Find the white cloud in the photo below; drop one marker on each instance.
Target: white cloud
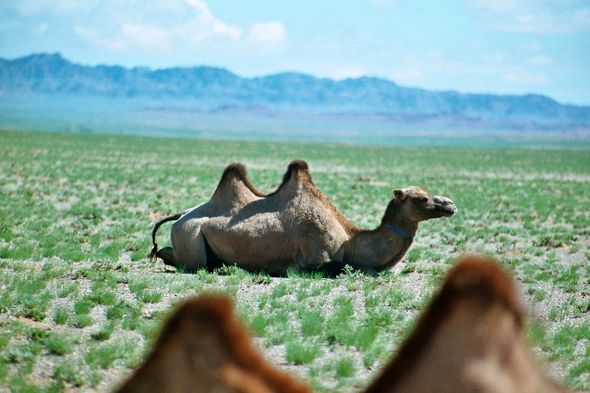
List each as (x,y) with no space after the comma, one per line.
(142,37)
(531,46)
(498,57)
(582,18)
(434,54)
(382,3)
(62,7)
(40,29)
(208,23)
(347,73)
(130,37)
(408,76)
(497,6)
(543,17)
(518,77)
(160,26)
(267,33)
(225,30)
(8,25)
(540,60)
(201,7)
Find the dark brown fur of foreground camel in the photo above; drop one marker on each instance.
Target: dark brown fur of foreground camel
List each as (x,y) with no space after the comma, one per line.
(204,348)
(470,339)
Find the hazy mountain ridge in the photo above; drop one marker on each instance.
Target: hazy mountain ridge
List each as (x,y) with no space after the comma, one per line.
(218,90)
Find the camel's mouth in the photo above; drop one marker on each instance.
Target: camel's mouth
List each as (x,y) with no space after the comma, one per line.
(448,210)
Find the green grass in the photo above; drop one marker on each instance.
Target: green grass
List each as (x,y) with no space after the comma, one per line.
(102,356)
(345,367)
(61,316)
(299,353)
(66,373)
(80,297)
(104,332)
(59,345)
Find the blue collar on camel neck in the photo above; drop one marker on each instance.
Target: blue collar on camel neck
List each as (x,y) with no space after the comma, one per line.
(398,230)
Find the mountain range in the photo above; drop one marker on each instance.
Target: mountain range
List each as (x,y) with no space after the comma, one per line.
(213,90)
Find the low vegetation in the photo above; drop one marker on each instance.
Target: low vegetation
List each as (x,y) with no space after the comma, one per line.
(80,304)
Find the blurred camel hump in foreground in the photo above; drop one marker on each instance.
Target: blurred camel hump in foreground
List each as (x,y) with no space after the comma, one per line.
(294,227)
(204,348)
(469,339)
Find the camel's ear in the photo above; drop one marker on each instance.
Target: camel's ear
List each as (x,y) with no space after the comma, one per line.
(400,194)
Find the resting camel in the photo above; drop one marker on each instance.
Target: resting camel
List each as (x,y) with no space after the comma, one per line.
(469,339)
(295,227)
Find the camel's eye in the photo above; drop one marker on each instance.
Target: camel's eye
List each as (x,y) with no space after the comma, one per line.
(423,200)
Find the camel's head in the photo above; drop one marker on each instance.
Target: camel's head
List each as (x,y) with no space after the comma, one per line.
(420,206)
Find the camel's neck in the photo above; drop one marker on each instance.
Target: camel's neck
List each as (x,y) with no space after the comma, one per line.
(384,246)
(401,232)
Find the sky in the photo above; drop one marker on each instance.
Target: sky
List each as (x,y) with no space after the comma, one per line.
(470,46)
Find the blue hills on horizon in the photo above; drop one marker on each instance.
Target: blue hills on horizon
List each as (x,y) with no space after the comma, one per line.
(34,80)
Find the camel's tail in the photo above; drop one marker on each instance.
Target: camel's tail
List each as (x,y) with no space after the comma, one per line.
(173,217)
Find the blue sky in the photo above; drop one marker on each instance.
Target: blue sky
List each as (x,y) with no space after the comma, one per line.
(479,46)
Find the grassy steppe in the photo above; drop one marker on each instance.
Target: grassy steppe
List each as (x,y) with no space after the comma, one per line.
(80,303)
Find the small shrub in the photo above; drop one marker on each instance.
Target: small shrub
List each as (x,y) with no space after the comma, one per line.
(59,345)
(4,340)
(102,296)
(65,290)
(102,356)
(83,320)
(95,378)
(299,353)
(414,254)
(104,333)
(123,309)
(132,323)
(258,324)
(61,315)
(150,297)
(66,373)
(312,323)
(372,355)
(25,354)
(364,337)
(280,290)
(38,334)
(345,367)
(83,306)
(137,286)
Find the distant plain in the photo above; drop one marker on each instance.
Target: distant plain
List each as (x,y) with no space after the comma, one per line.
(80,303)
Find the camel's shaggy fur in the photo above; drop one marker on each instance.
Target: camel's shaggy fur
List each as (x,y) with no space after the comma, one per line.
(204,348)
(295,227)
(470,339)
